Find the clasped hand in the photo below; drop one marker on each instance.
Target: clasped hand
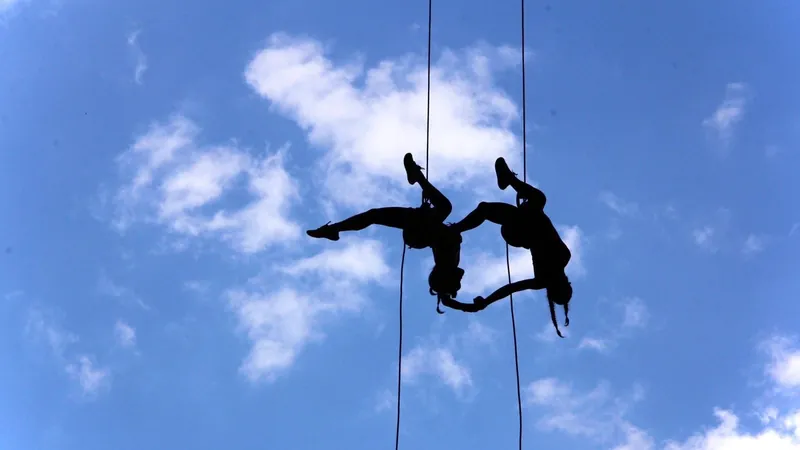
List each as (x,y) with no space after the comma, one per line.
(477,304)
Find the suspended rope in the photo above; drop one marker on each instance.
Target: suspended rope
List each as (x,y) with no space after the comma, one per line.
(403,259)
(428,107)
(508,259)
(400,354)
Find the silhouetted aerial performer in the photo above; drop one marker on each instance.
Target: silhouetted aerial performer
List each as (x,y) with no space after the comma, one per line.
(525,226)
(422,227)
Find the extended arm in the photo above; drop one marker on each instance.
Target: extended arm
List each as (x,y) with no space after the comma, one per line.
(505,291)
(457,305)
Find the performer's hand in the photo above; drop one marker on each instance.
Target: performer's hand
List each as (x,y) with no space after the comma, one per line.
(455,304)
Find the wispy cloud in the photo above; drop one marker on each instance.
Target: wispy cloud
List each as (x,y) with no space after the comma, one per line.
(364,126)
(600,345)
(729,113)
(754,244)
(634,316)
(125,334)
(438,362)
(618,205)
(108,287)
(704,237)
(280,322)
(596,414)
(573,238)
(783,368)
(139,56)
(7,5)
(91,379)
(42,325)
(362,259)
(173,181)
(605,418)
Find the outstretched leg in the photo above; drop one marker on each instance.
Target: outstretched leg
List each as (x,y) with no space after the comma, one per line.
(394,216)
(496,212)
(505,178)
(441,204)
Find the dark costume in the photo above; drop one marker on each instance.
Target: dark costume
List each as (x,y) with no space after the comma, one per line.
(525,226)
(422,227)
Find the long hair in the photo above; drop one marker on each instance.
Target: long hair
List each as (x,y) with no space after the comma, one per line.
(561,295)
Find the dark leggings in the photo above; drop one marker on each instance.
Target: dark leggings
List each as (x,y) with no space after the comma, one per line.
(503,214)
(495,212)
(400,217)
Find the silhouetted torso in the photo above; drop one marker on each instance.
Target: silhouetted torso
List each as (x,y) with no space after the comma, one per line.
(550,254)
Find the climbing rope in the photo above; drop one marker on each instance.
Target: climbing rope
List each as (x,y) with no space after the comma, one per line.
(400,354)
(403,259)
(508,259)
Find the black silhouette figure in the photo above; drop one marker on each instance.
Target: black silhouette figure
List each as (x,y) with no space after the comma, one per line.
(422,227)
(526,226)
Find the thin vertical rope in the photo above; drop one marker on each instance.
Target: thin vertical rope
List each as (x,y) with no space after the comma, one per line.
(516,353)
(428,106)
(400,354)
(524,103)
(403,260)
(508,259)
(428,111)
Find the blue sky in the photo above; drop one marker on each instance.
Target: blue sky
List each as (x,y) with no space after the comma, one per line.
(159,162)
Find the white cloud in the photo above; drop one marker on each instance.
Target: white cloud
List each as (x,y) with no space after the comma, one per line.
(595,414)
(713,234)
(42,325)
(280,322)
(362,260)
(199,182)
(596,344)
(573,237)
(753,244)
(385,401)
(484,273)
(729,113)
(634,439)
(781,434)
(108,287)
(175,182)
(784,365)
(196,286)
(439,362)
(548,334)
(635,315)
(90,378)
(605,418)
(618,205)
(478,333)
(6,5)
(366,119)
(279,325)
(704,237)
(138,54)
(125,334)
